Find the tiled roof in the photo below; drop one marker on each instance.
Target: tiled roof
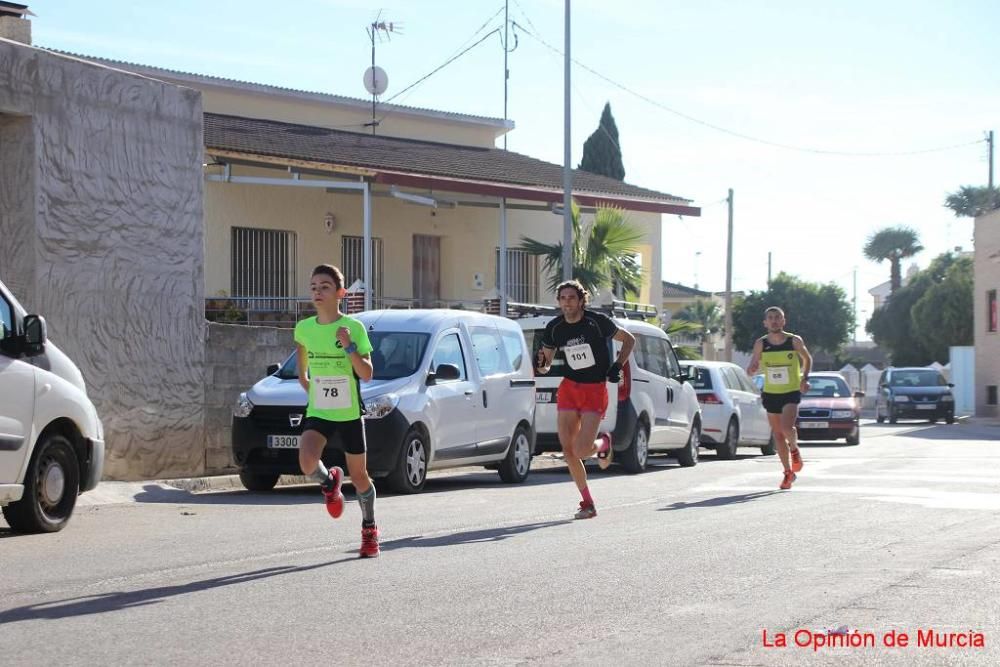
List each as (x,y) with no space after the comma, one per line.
(317,144)
(678,291)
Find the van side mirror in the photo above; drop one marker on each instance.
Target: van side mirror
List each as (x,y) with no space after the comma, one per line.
(444,372)
(859,394)
(273,368)
(951,384)
(35,335)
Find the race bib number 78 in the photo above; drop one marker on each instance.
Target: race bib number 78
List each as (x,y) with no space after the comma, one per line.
(332,393)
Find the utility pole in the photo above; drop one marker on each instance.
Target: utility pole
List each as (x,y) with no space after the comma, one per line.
(506,72)
(854,302)
(768,269)
(567,251)
(729,282)
(989,143)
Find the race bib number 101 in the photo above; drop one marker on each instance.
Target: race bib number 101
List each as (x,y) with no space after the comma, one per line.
(579,356)
(332,393)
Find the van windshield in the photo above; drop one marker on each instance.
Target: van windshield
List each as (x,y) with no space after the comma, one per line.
(395,354)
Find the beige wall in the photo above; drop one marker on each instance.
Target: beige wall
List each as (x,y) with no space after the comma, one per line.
(987,277)
(300,108)
(469,235)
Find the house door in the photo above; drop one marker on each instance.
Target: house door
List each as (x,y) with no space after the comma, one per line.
(426,270)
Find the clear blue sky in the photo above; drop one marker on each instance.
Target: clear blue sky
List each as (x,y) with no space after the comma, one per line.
(875,76)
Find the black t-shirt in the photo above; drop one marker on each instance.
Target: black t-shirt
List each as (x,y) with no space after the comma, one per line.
(585,345)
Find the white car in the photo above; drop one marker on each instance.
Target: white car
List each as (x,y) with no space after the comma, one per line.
(652,410)
(450,388)
(731,408)
(51,440)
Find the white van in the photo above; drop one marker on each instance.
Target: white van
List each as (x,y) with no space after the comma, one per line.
(451,388)
(653,409)
(51,440)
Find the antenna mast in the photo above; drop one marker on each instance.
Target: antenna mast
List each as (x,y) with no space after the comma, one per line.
(376,80)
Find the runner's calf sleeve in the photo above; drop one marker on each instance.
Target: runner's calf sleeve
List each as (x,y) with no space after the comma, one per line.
(367,502)
(320,474)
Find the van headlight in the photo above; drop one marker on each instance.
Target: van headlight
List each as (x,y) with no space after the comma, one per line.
(947,398)
(243,406)
(380,406)
(901,399)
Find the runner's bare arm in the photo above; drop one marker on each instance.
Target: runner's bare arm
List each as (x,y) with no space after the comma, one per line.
(362,363)
(807,361)
(543,360)
(303,364)
(754,365)
(628,342)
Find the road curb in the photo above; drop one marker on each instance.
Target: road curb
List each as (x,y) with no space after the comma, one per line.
(226,482)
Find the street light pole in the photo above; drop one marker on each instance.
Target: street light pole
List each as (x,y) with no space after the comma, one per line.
(567,251)
(729,282)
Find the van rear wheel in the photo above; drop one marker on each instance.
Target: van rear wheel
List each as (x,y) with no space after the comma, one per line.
(516,465)
(51,486)
(258,481)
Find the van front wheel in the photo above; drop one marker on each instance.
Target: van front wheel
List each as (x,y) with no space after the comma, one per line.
(516,465)
(51,486)
(410,472)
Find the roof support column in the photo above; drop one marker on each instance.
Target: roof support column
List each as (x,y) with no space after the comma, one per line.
(502,268)
(367,196)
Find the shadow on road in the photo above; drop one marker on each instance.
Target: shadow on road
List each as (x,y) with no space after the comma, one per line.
(720,501)
(469,537)
(117,601)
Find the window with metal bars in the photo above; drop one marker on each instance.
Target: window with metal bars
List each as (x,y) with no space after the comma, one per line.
(352,263)
(263,265)
(522,275)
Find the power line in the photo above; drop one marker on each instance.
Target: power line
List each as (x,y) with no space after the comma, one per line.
(741,135)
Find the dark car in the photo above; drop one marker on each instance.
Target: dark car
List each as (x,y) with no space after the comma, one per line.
(829,410)
(914,393)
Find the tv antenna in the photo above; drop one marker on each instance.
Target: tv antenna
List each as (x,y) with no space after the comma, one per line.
(375,79)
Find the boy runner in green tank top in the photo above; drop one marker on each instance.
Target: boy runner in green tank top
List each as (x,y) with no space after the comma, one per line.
(334,353)
(786,363)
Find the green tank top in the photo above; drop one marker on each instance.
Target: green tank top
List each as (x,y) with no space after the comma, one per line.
(781,365)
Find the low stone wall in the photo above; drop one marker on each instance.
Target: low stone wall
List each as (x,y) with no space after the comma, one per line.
(236,357)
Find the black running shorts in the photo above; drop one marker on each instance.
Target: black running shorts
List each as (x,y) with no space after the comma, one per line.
(352,433)
(775,403)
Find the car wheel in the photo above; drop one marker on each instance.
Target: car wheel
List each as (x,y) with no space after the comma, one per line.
(892,416)
(258,481)
(727,450)
(51,486)
(768,449)
(689,455)
(516,465)
(635,458)
(878,415)
(855,438)
(949,419)
(410,472)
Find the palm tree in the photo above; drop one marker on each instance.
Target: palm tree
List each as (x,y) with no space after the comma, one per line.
(894,244)
(706,314)
(972,202)
(604,255)
(678,327)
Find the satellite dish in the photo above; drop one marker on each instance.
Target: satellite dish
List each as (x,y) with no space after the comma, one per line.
(376,80)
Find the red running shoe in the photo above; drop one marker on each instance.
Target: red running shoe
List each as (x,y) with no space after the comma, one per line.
(586,511)
(331,490)
(796,460)
(786,483)
(369,543)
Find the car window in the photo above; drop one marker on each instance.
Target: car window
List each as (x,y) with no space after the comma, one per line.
(449,351)
(638,356)
(917,378)
(730,379)
(513,344)
(656,355)
(673,368)
(6,325)
(702,377)
(491,358)
(827,387)
(745,381)
(395,354)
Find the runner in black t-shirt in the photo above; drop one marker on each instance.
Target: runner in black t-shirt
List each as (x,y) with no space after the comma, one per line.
(585,340)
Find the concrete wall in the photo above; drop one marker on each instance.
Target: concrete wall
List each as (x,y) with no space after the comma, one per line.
(102,234)
(469,235)
(235,358)
(986,265)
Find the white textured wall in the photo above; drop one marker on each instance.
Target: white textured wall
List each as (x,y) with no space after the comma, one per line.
(986,265)
(105,239)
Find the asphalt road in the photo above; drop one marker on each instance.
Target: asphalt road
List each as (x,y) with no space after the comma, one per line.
(682,566)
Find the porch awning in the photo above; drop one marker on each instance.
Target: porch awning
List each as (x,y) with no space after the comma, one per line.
(424,164)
